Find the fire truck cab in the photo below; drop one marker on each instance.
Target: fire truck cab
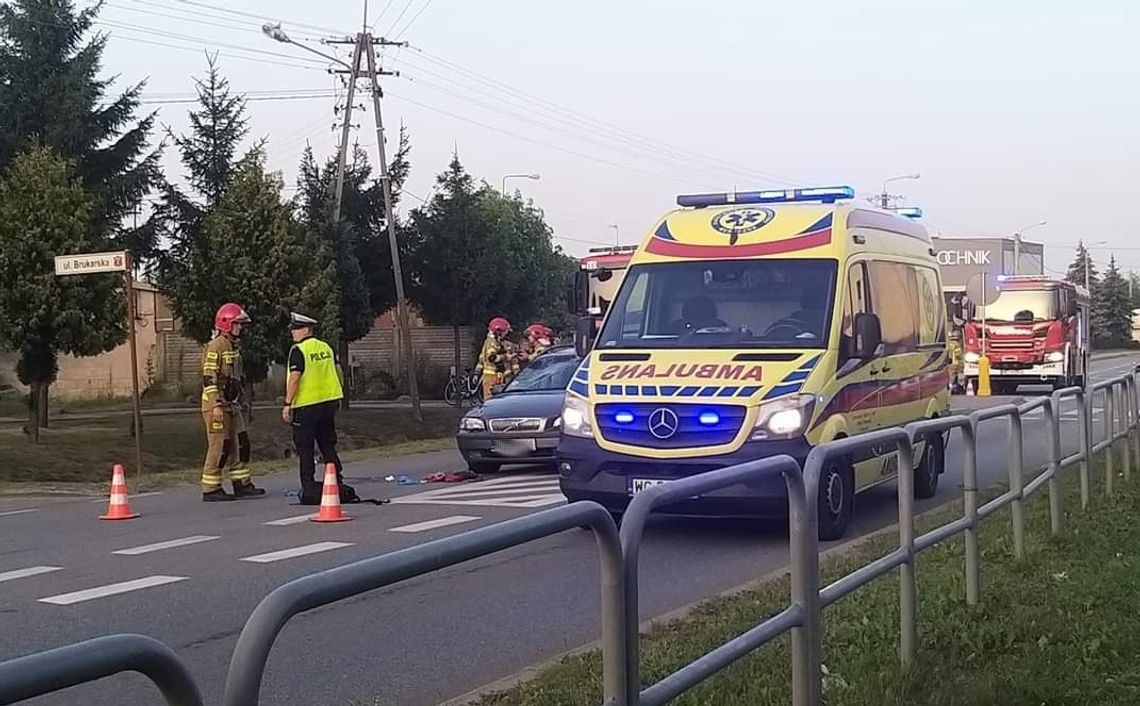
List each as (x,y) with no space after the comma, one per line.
(1035,332)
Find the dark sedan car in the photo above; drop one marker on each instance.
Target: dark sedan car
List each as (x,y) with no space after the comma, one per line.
(520,424)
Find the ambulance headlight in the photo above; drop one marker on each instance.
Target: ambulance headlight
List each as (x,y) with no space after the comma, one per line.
(576,417)
(1056,357)
(785,418)
(971,357)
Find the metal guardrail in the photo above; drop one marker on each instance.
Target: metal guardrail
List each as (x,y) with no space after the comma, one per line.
(804,614)
(247,666)
(1119,435)
(44,672)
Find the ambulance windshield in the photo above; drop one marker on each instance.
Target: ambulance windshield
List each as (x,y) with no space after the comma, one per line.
(723,304)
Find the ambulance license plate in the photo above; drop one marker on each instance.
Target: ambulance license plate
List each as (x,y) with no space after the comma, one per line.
(636,485)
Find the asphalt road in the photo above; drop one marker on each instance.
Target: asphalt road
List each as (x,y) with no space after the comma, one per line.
(198,570)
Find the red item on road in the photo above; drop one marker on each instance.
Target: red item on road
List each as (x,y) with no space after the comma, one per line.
(450,477)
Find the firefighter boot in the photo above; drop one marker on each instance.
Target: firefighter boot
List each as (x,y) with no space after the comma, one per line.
(246,489)
(216,496)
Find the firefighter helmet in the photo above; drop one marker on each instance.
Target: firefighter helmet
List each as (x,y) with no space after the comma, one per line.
(228,315)
(499,325)
(539,331)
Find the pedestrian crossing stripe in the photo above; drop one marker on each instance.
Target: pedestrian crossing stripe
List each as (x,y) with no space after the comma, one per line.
(526,492)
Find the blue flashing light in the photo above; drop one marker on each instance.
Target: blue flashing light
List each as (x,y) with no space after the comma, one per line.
(912,212)
(709,419)
(623,417)
(824,194)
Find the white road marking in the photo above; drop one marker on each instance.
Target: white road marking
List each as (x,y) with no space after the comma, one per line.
(113,589)
(25,573)
(171,544)
(435,524)
(25,511)
(296,552)
(290,520)
(516,492)
(130,497)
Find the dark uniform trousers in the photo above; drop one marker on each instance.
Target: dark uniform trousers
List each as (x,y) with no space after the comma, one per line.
(316,424)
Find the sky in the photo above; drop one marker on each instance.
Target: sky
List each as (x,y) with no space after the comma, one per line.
(1012,111)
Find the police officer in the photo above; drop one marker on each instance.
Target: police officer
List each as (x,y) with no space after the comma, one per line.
(225,410)
(312,392)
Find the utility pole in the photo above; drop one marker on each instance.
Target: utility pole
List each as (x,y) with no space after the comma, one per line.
(364,46)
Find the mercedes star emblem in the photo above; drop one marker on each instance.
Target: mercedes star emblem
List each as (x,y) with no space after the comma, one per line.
(663,423)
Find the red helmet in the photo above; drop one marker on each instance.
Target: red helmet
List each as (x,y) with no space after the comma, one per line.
(539,331)
(229,314)
(499,325)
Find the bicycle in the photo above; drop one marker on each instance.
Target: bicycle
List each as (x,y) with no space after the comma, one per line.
(464,387)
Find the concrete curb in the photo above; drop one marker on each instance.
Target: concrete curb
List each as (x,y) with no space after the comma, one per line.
(532,672)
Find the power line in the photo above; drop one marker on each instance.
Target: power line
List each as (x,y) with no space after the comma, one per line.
(407,6)
(533,141)
(584,136)
(196,15)
(255,99)
(263,18)
(205,42)
(647,142)
(412,21)
(380,16)
(231,25)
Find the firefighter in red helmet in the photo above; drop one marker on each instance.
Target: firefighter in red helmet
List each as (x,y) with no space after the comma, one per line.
(539,338)
(494,359)
(225,410)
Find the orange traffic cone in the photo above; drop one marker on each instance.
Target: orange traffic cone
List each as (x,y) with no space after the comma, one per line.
(330,499)
(120,508)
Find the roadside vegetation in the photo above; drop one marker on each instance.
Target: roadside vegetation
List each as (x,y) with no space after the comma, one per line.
(1059,628)
(78,452)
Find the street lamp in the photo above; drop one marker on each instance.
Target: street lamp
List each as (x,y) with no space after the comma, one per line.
(1017,244)
(532,177)
(617,234)
(1088,258)
(277,34)
(884,197)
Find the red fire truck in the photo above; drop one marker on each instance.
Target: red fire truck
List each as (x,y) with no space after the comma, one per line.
(1035,332)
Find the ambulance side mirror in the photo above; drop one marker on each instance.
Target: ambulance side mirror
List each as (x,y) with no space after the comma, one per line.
(868,336)
(584,335)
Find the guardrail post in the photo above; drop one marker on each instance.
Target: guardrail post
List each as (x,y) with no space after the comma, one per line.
(1016,473)
(1125,427)
(970,502)
(1083,417)
(807,639)
(1109,461)
(1053,421)
(908,584)
(1134,408)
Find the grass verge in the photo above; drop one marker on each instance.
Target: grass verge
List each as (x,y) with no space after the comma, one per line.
(1061,627)
(82,452)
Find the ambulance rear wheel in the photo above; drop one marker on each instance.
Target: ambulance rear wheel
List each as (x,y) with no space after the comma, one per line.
(929,468)
(836,500)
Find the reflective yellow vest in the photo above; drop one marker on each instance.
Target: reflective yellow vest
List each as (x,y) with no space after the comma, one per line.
(319,382)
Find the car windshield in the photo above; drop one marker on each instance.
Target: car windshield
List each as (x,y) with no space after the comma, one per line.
(1017,306)
(547,372)
(723,304)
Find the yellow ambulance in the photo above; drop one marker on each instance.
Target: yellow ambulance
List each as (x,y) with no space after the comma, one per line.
(756,324)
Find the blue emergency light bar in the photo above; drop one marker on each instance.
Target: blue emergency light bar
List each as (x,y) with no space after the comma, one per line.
(824,194)
(913,212)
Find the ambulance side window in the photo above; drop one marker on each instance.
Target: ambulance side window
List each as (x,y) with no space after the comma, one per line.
(856,300)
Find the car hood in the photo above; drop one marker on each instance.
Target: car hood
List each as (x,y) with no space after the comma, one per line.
(545,404)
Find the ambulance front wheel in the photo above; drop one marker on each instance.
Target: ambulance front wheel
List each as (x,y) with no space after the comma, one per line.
(836,500)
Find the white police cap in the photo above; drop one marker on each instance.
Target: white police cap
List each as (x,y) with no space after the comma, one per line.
(297,321)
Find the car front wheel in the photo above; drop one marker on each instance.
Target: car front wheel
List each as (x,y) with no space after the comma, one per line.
(836,500)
